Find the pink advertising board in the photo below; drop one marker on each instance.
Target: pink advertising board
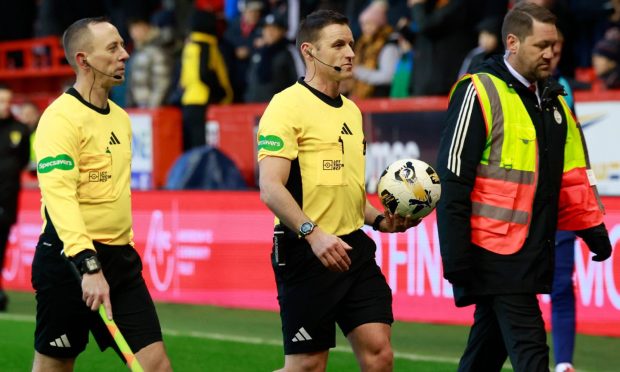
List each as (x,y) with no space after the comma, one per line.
(213,248)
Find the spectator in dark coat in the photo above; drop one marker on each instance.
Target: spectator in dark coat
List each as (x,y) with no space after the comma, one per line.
(14,152)
(489,43)
(606,59)
(238,46)
(272,67)
(445,36)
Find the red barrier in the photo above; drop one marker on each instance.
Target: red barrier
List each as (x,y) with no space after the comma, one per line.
(157,143)
(213,248)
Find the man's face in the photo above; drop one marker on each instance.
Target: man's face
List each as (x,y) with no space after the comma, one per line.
(108,52)
(602,64)
(139,31)
(29,114)
(272,34)
(5,103)
(533,55)
(335,47)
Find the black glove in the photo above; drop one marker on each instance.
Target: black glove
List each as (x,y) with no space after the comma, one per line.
(459,278)
(597,240)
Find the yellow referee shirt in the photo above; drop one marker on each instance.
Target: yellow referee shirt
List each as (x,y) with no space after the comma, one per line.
(323,138)
(83,164)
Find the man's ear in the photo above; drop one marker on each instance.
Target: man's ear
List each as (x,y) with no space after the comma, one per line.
(306,49)
(81,60)
(512,43)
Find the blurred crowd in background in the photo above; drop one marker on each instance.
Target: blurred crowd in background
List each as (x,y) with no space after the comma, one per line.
(404,48)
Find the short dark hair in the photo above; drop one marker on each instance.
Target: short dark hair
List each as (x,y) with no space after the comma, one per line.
(77,34)
(314,22)
(519,20)
(4,87)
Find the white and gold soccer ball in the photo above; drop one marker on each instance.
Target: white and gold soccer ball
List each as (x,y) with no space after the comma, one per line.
(409,187)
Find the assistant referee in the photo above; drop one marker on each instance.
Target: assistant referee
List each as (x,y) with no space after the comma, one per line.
(83,151)
(311,153)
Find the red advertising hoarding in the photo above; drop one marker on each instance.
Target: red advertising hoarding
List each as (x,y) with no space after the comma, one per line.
(213,248)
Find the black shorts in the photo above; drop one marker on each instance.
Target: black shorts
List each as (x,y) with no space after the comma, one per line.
(313,299)
(64,320)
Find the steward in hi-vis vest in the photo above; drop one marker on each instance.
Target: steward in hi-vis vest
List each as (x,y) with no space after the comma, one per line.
(513,169)
(507,175)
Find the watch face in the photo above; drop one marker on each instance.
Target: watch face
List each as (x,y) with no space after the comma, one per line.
(306,228)
(91,265)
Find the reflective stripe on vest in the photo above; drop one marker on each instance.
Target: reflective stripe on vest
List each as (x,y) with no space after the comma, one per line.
(503,193)
(505,183)
(506,179)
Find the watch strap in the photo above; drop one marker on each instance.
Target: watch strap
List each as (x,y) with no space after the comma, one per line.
(87,262)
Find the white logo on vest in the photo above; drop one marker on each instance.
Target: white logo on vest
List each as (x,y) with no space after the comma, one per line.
(557,116)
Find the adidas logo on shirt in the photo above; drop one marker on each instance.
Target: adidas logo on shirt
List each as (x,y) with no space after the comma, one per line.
(302,335)
(61,341)
(114,140)
(345,129)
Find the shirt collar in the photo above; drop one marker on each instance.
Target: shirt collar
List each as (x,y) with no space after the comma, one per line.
(520,77)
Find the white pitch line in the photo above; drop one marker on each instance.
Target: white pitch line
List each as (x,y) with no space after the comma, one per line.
(273,342)
(264,341)
(253,340)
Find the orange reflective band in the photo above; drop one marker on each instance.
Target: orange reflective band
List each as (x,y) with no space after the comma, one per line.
(499,213)
(511,175)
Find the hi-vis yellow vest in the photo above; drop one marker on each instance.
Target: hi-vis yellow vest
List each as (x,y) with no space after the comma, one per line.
(506,178)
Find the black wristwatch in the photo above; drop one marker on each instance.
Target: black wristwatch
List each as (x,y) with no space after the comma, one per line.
(90,265)
(377,222)
(306,228)
(87,262)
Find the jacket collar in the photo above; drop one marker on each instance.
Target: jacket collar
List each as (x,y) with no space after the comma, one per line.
(548,89)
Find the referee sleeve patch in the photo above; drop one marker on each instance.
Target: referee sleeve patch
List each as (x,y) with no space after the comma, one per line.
(270,143)
(61,162)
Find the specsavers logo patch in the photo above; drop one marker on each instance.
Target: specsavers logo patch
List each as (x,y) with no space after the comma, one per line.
(270,143)
(62,162)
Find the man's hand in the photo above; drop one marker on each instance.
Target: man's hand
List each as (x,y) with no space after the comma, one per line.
(95,291)
(330,249)
(597,240)
(397,223)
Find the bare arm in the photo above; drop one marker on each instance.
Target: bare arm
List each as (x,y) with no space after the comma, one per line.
(273,174)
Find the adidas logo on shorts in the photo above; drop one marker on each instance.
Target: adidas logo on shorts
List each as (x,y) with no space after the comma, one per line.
(302,335)
(61,341)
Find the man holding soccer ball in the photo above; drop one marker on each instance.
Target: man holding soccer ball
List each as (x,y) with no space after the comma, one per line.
(513,168)
(311,153)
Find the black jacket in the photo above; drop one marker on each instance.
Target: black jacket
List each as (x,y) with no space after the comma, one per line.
(14,156)
(477,271)
(271,70)
(445,36)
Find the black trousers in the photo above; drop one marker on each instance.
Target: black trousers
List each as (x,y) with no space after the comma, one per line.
(5,230)
(194,127)
(506,325)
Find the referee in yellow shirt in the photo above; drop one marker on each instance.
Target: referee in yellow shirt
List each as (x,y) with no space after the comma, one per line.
(311,153)
(83,151)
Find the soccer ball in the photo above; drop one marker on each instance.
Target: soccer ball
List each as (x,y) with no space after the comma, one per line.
(409,187)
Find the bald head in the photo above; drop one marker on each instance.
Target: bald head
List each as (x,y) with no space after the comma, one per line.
(78,37)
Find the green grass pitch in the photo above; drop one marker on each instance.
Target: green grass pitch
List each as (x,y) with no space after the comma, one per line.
(207,338)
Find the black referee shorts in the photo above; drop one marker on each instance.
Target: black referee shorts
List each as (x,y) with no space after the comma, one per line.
(64,320)
(313,299)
